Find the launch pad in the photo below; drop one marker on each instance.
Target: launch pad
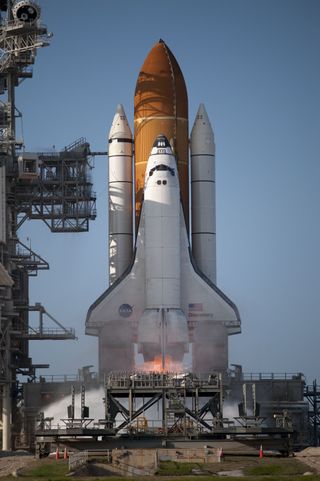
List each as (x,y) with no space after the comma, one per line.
(151,409)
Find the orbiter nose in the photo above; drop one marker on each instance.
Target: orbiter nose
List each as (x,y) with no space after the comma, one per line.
(161,141)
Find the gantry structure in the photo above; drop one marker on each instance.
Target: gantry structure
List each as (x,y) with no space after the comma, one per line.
(312,394)
(53,187)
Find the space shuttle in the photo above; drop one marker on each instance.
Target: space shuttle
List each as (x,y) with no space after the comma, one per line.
(163,310)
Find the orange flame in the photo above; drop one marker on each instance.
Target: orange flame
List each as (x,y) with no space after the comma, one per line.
(156,365)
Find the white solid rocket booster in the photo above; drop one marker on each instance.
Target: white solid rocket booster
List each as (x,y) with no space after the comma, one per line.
(203,207)
(120,195)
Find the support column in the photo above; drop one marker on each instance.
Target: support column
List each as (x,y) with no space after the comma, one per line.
(6,418)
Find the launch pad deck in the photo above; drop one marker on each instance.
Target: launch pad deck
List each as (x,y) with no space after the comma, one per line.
(240,442)
(189,409)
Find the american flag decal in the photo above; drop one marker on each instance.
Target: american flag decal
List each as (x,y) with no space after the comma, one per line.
(195,307)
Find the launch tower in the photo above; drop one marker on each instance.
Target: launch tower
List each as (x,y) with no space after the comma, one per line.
(53,187)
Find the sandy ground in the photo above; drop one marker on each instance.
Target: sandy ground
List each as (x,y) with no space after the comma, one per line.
(311,457)
(11,462)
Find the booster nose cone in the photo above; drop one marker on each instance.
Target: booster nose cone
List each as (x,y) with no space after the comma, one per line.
(120,109)
(202,138)
(202,113)
(120,128)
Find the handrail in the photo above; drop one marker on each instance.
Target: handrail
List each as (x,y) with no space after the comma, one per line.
(76,143)
(258,376)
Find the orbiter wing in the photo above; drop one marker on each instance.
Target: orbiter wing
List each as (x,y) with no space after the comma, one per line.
(125,300)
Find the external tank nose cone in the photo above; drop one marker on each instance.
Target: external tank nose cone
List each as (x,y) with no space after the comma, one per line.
(159,82)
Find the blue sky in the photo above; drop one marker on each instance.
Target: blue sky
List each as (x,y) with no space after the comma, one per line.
(256,66)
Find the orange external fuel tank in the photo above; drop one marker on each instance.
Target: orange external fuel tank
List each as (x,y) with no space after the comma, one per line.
(161,107)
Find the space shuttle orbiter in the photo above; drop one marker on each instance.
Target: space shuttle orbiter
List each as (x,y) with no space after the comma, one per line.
(163,302)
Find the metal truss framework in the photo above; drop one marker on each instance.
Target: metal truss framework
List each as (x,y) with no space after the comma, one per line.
(55,188)
(147,409)
(312,394)
(181,397)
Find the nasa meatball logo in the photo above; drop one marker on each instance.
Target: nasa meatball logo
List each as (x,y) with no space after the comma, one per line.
(125,310)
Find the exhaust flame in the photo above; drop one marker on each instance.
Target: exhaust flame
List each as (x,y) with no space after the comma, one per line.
(157,366)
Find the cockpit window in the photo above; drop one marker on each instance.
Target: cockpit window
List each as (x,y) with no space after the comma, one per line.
(161,167)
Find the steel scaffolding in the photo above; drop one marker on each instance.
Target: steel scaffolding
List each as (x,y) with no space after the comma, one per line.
(312,394)
(55,188)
